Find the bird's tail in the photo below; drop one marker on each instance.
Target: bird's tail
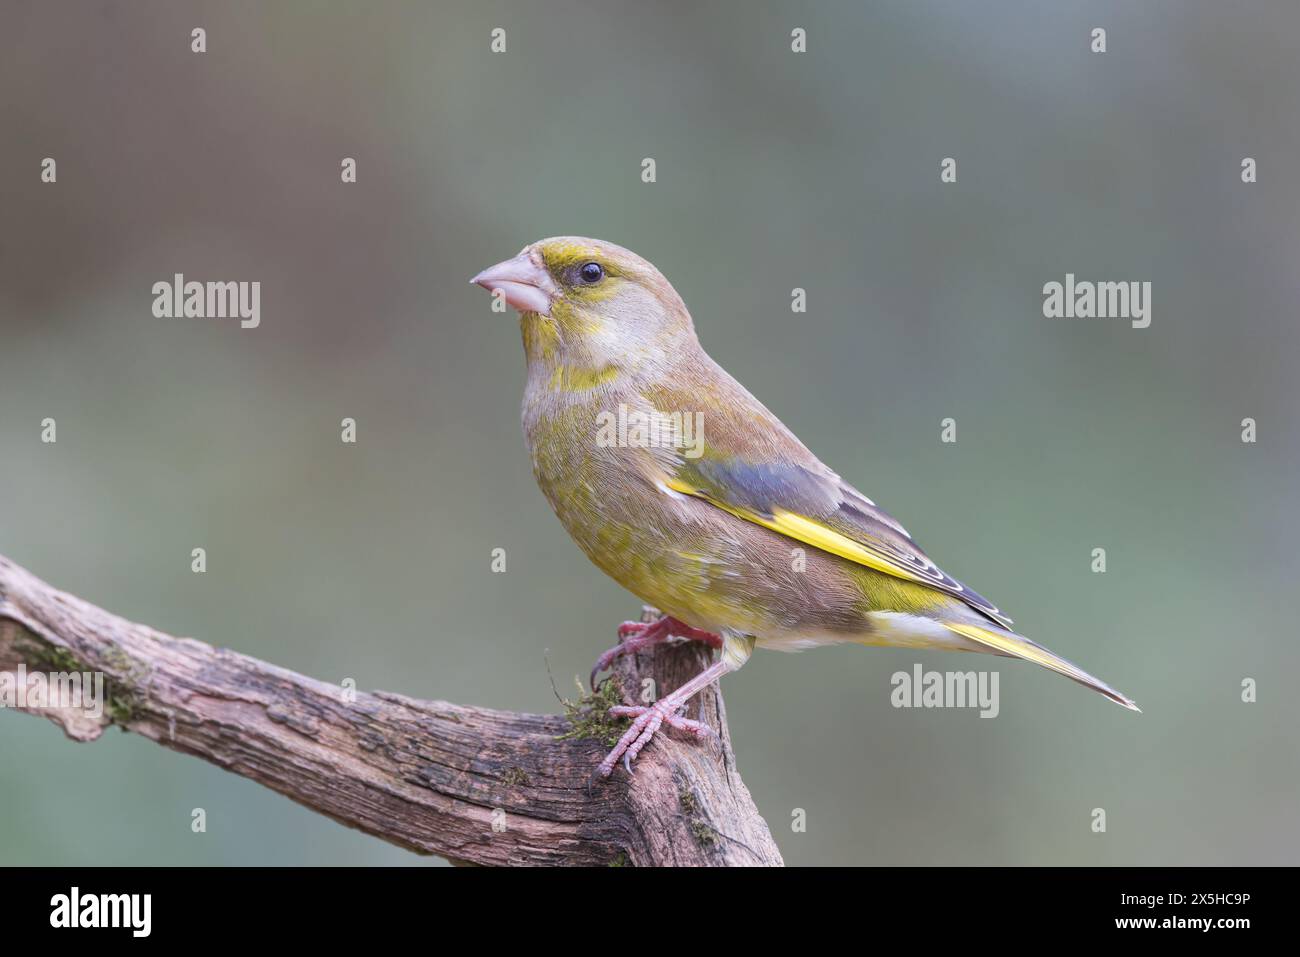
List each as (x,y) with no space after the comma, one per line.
(1004,642)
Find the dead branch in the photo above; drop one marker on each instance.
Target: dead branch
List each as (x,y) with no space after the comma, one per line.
(473,785)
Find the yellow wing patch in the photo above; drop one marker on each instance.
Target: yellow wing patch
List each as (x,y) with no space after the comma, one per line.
(810,533)
(813,532)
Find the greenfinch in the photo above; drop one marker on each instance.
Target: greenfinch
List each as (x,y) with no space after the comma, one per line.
(683,487)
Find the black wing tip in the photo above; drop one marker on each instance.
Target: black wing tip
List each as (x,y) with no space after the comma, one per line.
(981,604)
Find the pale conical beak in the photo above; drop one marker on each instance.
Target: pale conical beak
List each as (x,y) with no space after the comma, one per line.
(523,281)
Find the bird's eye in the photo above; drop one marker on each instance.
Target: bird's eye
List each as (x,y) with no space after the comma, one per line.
(591,272)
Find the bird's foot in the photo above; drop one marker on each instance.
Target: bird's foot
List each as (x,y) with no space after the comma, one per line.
(669,627)
(647,720)
(634,636)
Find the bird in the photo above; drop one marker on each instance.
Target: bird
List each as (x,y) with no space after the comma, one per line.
(687,491)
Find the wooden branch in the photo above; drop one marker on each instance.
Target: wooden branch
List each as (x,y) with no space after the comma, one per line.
(429,776)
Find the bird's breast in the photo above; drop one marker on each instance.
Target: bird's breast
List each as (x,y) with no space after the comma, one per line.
(603,471)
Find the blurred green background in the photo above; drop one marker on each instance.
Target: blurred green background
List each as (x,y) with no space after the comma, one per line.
(775,170)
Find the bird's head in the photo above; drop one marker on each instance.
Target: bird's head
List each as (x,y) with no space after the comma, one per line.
(590,304)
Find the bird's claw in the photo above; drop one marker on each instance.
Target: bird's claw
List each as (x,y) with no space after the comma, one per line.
(630,628)
(646,721)
(634,636)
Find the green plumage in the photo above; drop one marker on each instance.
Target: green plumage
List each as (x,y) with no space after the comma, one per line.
(685,489)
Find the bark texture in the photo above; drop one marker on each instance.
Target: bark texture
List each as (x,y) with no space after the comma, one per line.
(474,785)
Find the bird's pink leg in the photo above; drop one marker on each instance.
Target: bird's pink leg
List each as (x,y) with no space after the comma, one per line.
(637,635)
(648,719)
